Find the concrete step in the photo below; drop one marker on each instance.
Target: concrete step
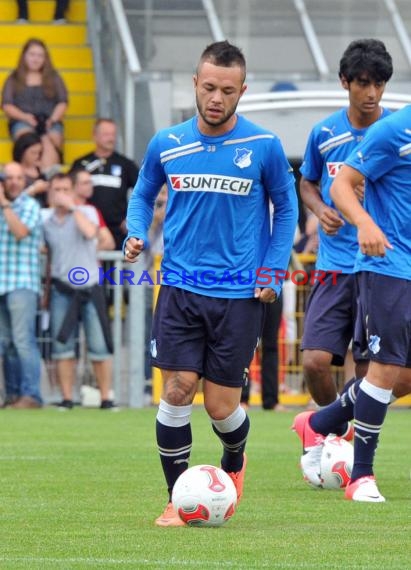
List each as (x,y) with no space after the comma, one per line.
(74,128)
(63,58)
(69,34)
(80,104)
(43,10)
(82,81)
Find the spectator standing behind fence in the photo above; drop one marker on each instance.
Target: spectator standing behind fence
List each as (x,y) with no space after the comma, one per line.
(27,151)
(113,176)
(19,290)
(59,11)
(35,99)
(83,190)
(70,233)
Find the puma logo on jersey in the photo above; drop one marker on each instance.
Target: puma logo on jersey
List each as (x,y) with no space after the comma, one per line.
(175,137)
(327,130)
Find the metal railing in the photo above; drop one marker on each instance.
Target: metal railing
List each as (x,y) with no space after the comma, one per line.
(127,313)
(128,359)
(400,28)
(213,21)
(117,68)
(309,99)
(312,39)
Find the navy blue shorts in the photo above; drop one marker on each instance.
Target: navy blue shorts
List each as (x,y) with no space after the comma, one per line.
(384,318)
(330,317)
(211,336)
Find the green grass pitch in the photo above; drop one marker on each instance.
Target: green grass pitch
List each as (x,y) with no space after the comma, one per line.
(81,489)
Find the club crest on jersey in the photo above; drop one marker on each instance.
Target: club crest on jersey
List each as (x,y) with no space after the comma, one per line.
(333,168)
(242,157)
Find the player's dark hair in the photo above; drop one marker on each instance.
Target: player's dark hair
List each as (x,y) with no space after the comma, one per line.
(366,57)
(223,54)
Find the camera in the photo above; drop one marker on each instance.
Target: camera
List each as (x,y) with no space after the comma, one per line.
(41,128)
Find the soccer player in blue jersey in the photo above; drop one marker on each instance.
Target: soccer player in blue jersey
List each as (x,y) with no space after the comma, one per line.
(221,263)
(365,68)
(383,263)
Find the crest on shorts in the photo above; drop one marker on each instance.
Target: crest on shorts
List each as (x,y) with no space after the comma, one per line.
(153,348)
(242,157)
(374,344)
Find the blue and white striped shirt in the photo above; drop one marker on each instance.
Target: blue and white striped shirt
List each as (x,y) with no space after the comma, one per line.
(20,259)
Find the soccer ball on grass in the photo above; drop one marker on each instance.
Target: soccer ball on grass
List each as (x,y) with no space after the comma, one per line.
(336,462)
(204,495)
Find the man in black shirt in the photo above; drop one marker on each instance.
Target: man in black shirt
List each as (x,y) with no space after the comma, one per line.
(113,175)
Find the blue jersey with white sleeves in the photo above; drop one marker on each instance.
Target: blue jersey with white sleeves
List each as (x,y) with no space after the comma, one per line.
(384,158)
(331,141)
(217,232)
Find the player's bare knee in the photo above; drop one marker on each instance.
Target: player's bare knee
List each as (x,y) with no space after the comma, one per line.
(219,410)
(316,363)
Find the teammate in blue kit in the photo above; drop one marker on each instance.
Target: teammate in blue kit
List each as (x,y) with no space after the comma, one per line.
(365,68)
(221,171)
(383,264)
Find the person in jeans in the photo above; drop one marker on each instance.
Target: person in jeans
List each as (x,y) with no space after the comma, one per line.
(70,233)
(19,290)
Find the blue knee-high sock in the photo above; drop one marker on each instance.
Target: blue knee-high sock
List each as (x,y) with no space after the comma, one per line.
(174,440)
(342,428)
(329,419)
(233,432)
(369,413)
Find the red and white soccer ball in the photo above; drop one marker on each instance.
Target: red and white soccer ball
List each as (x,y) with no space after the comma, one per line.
(337,459)
(204,495)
